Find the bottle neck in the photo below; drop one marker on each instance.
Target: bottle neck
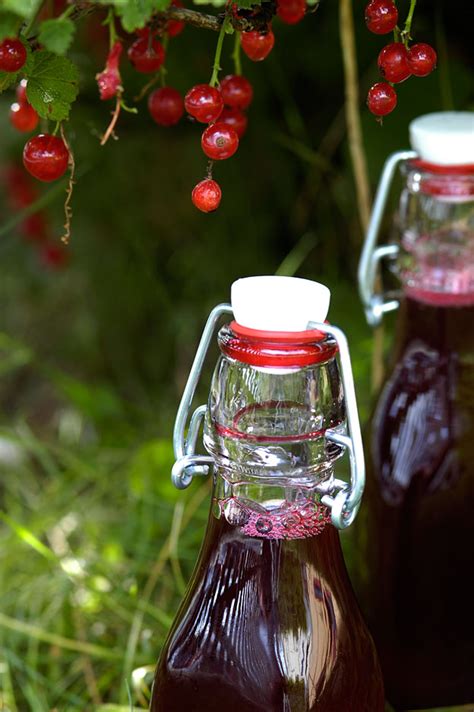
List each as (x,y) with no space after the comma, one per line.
(442,326)
(269,509)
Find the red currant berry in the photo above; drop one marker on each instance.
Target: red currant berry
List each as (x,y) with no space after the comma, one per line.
(381,16)
(204,102)
(12,55)
(257,45)
(393,62)
(35,227)
(236,119)
(23,117)
(21,91)
(207,195)
(46,157)
(54,256)
(236,91)
(146,56)
(166,106)
(291,11)
(175,27)
(421,59)
(109,80)
(381,99)
(219,141)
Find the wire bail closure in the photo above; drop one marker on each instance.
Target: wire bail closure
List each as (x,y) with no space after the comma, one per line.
(342,498)
(375,303)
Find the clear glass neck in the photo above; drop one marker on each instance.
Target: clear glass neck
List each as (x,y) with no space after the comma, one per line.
(265,428)
(436,224)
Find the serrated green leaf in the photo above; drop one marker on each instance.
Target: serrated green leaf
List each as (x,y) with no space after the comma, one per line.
(53,84)
(9,25)
(24,8)
(57,35)
(136,13)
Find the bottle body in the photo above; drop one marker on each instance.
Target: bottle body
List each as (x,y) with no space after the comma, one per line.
(416,527)
(270,622)
(268,625)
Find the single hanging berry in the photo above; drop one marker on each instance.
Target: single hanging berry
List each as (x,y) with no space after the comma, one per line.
(166,106)
(109,80)
(146,54)
(381,99)
(219,141)
(381,16)
(236,119)
(207,195)
(421,59)
(257,45)
(23,117)
(204,103)
(12,55)
(21,91)
(175,27)
(393,62)
(54,256)
(236,91)
(291,11)
(46,157)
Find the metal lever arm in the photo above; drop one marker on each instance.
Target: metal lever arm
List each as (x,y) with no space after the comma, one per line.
(374,304)
(345,503)
(187,463)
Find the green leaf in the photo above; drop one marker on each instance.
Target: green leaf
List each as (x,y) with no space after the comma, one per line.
(57,35)
(136,13)
(9,25)
(7,79)
(53,84)
(24,8)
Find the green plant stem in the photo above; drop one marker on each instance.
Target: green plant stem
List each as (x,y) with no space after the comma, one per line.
(78,646)
(236,56)
(408,21)
(32,21)
(216,67)
(110,23)
(68,11)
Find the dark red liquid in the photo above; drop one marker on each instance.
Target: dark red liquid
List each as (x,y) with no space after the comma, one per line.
(268,625)
(417,523)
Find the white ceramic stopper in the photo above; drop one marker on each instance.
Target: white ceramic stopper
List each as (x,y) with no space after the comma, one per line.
(445,138)
(279,303)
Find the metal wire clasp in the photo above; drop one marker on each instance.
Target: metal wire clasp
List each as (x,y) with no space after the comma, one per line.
(375,304)
(343,499)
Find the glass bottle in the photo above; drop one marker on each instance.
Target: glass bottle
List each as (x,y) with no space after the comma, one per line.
(269,622)
(417,526)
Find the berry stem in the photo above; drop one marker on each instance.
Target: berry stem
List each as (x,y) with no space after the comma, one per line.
(163,71)
(70,187)
(236,55)
(110,23)
(111,126)
(407,29)
(216,67)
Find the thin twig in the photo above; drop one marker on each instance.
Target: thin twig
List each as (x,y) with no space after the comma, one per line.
(354,130)
(111,126)
(69,190)
(356,147)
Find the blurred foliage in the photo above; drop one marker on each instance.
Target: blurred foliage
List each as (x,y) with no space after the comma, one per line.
(96,544)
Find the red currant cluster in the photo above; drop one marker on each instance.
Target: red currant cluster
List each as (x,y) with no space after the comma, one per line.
(397,61)
(222,107)
(45,156)
(21,193)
